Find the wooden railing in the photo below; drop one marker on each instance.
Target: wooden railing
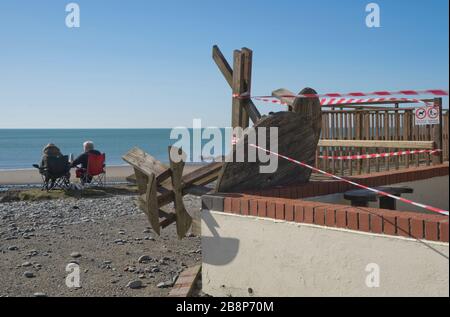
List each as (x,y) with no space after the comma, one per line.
(378,124)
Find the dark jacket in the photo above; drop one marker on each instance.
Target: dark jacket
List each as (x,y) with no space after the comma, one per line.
(83,158)
(49,151)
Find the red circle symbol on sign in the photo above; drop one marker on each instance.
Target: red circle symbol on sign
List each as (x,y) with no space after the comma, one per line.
(421,113)
(433,113)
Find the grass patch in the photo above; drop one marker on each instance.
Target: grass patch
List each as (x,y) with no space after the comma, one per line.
(36,194)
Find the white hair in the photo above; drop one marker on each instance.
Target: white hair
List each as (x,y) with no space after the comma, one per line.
(88,145)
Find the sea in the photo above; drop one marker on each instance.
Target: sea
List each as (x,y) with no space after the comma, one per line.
(20,148)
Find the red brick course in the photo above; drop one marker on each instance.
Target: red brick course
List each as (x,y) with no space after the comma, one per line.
(321,188)
(380,221)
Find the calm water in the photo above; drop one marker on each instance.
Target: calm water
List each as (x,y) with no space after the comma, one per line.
(19,149)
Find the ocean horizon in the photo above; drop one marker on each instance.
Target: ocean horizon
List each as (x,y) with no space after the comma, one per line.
(20,148)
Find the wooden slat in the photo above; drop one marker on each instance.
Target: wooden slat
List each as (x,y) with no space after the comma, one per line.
(422,145)
(144,162)
(184,220)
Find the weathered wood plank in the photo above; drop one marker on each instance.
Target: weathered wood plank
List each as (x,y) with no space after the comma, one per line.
(151,204)
(144,162)
(223,65)
(438,133)
(296,138)
(247,57)
(202,172)
(184,220)
(227,72)
(422,145)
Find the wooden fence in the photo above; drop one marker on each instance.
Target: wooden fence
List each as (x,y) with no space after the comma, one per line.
(382,124)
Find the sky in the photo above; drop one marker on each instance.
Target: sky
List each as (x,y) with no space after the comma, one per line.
(147,64)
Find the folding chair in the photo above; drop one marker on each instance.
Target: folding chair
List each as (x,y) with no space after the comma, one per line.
(95,174)
(56,173)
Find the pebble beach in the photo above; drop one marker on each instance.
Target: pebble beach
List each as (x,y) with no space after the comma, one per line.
(108,238)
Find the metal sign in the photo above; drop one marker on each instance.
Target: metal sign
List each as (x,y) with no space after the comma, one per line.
(427,115)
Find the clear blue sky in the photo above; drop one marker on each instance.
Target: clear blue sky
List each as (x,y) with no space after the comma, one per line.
(148,63)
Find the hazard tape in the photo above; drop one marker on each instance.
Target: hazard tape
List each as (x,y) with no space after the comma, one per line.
(432,92)
(379,192)
(378,155)
(342,101)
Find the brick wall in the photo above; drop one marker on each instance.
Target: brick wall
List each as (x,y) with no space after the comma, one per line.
(321,188)
(284,204)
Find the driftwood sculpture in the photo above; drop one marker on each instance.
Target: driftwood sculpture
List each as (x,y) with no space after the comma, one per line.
(152,178)
(298,135)
(298,130)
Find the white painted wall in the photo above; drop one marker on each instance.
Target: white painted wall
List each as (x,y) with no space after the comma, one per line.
(433,192)
(277,258)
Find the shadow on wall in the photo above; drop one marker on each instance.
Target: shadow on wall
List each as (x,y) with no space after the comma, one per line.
(224,250)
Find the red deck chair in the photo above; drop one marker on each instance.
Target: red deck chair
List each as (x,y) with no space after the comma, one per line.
(96,169)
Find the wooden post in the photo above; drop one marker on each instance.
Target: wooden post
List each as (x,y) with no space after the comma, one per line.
(227,72)
(238,89)
(437,133)
(184,220)
(247,56)
(151,207)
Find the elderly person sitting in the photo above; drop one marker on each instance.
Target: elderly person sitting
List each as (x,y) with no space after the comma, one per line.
(50,150)
(82,160)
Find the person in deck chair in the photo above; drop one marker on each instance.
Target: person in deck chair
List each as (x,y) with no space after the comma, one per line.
(82,160)
(50,150)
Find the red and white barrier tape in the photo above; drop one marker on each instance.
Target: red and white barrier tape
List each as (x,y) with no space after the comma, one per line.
(379,192)
(432,92)
(378,155)
(342,101)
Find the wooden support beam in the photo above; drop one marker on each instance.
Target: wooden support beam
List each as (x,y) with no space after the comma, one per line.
(227,72)
(238,89)
(223,65)
(151,208)
(184,220)
(247,56)
(438,134)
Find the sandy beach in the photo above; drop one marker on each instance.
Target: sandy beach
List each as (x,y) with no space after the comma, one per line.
(32,176)
(114,174)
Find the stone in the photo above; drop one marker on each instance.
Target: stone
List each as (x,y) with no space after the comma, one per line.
(135,284)
(13,248)
(28,274)
(164,284)
(75,255)
(38,294)
(26,264)
(144,259)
